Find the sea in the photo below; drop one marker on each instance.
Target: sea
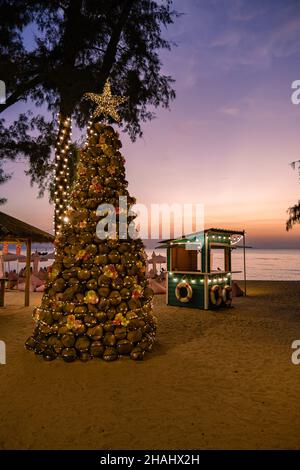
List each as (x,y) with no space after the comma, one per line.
(261,264)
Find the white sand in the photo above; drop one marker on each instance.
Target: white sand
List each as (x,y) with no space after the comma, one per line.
(215,380)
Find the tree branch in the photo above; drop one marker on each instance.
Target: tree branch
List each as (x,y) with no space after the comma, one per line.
(112,46)
(19,92)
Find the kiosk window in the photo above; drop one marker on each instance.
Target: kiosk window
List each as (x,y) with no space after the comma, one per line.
(183,260)
(219,258)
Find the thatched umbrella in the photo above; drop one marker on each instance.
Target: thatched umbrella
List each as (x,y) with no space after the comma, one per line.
(157,259)
(13,230)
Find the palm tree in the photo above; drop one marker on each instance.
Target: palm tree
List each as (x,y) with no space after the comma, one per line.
(294,211)
(294,216)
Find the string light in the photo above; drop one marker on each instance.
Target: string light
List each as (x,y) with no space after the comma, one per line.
(61,170)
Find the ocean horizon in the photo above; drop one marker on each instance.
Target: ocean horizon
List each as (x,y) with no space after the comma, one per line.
(261,264)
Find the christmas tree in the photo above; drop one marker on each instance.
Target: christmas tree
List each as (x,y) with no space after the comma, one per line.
(96,302)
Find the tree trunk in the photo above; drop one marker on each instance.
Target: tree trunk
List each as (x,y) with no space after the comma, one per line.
(62,182)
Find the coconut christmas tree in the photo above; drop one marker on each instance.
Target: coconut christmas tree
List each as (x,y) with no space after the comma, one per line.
(96,302)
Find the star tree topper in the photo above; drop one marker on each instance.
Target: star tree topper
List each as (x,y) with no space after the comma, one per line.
(107,103)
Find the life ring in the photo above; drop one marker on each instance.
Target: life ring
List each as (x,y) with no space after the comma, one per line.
(216,295)
(227,295)
(189,291)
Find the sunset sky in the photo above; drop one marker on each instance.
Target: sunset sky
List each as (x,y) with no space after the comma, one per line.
(232,131)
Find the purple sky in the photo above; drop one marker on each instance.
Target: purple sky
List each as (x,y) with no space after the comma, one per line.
(231,133)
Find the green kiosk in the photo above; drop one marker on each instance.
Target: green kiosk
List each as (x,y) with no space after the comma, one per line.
(199,273)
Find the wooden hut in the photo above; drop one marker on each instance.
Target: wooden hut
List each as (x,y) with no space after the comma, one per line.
(199,273)
(15,231)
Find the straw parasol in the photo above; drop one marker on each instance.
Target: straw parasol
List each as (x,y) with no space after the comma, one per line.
(13,230)
(157,259)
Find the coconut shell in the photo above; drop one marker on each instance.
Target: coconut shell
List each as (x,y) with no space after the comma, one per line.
(45,329)
(128,281)
(133,324)
(80,310)
(110,354)
(103,304)
(134,336)
(114,257)
(124,347)
(68,340)
(137,354)
(90,320)
(120,333)
(111,313)
(122,308)
(133,304)
(103,248)
(84,356)
(69,307)
(97,349)
(101,260)
(30,343)
(109,339)
(101,317)
(104,291)
(84,274)
(82,344)
(92,284)
(49,355)
(108,326)
(97,332)
(125,293)
(117,283)
(46,317)
(55,344)
(69,354)
(115,298)
(40,347)
(92,309)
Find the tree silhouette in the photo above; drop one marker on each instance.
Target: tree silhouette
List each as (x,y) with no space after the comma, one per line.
(78,45)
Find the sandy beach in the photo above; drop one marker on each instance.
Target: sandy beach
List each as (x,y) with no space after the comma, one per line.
(215,380)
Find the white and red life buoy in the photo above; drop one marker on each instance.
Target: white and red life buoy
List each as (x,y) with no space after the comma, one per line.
(183,291)
(216,295)
(227,295)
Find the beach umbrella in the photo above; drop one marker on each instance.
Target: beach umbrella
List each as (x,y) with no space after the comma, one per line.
(161,259)
(157,259)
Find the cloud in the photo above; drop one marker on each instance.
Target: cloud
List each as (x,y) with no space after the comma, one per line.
(228,39)
(256,45)
(230,111)
(243,10)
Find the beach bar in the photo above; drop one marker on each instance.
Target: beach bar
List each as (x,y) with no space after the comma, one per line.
(199,272)
(15,231)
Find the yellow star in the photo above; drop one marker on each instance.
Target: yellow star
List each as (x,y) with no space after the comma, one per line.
(107,103)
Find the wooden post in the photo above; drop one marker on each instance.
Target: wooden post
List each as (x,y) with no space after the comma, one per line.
(2,291)
(27,280)
(206,286)
(245,276)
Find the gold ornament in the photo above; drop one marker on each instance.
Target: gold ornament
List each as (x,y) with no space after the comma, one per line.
(107,103)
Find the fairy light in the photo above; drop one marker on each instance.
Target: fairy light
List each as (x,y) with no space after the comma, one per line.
(61,170)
